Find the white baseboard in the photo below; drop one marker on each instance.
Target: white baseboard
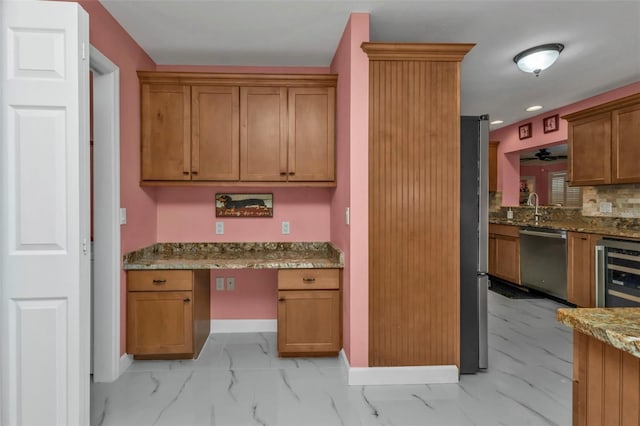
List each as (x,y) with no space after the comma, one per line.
(414,375)
(125,361)
(244,326)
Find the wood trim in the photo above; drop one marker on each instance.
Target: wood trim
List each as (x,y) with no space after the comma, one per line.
(248,184)
(602,108)
(237,79)
(433,52)
(505,230)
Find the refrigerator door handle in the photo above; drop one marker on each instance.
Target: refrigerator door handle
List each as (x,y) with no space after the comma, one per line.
(483,333)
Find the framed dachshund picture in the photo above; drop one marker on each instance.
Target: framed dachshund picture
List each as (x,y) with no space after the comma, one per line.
(550,124)
(524,131)
(244,205)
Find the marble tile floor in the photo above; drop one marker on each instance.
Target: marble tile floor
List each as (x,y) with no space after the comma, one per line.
(239,380)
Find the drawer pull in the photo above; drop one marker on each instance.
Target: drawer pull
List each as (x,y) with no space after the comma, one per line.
(309,280)
(281,299)
(185,172)
(158,282)
(187,300)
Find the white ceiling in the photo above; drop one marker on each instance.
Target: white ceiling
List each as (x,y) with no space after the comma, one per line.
(601,38)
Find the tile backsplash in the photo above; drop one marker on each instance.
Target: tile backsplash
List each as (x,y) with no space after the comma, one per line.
(624,199)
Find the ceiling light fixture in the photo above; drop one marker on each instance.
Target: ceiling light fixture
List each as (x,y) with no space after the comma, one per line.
(538,58)
(496,122)
(533,108)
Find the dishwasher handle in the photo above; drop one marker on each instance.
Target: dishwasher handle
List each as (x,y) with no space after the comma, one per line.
(561,235)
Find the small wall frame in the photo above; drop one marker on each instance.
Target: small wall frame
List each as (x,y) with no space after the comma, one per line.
(244,205)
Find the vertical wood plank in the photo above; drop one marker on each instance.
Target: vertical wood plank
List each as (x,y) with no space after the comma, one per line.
(611,401)
(630,391)
(595,382)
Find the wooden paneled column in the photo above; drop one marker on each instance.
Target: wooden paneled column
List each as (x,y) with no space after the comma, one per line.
(414,191)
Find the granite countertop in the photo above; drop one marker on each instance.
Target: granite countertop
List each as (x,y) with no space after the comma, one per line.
(614,230)
(235,256)
(619,327)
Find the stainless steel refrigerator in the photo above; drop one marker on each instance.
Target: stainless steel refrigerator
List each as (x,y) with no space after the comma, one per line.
(474,223)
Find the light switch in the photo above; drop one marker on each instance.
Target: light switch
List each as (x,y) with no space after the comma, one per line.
(123,216)
(219,228)
(285,228)
(347,216)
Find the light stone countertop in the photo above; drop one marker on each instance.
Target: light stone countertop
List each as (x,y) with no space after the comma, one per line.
(275,255)
(619,327)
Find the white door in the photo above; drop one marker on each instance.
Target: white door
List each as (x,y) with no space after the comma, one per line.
(44,214)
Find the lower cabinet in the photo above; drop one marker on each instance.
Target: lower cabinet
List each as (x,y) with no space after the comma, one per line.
(581,264)
(309,312)
(168,313)
(606,384)
(504,252)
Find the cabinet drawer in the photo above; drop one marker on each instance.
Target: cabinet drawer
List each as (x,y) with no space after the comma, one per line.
(160,280)
(308,279)
(506,230)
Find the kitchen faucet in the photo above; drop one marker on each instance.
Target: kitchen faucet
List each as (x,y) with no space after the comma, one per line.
(536,215)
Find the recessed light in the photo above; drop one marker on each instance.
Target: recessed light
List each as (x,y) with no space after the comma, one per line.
(534,108)
(496,122)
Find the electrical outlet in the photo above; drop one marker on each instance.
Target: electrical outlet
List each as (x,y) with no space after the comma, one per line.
(605,207)
(285,228)
(219,228)
(231,283)
(220,283)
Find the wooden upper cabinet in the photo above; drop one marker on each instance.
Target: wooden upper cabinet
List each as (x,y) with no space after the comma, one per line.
(590,150)
(311,146)
(263,137)
(625,147)
(493,166)
(237,129)
(215,120)
(603,143)
(166,131)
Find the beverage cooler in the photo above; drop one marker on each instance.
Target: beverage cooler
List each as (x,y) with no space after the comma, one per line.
(617,273)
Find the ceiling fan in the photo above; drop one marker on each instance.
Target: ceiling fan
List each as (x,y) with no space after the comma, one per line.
(544,155)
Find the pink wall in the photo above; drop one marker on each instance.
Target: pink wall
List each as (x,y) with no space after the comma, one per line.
(352,65)
(186,214)
(510,145)
(541,174)
(114,42)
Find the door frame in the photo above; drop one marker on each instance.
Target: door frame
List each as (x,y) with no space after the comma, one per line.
(106,218)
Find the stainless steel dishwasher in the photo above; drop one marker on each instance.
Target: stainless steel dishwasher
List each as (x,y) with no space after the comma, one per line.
(543,260)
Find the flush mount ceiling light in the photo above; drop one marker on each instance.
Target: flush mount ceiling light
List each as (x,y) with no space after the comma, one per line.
(533,108)
(496,122)
(538,58)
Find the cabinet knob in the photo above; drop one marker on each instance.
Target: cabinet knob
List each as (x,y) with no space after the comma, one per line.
(308,280)
(185,172)
(281,299)
(158,282)
(187,300)
(194,172)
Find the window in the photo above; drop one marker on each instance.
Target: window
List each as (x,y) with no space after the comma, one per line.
(562,194)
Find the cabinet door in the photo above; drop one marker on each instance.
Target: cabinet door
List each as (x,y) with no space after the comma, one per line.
(581,269)
(590,150)
(263,137)
(507,260)
(159,322)
(493,166)
(166,132)
(311,145)
(215,133)
(309,322)
(625,148)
